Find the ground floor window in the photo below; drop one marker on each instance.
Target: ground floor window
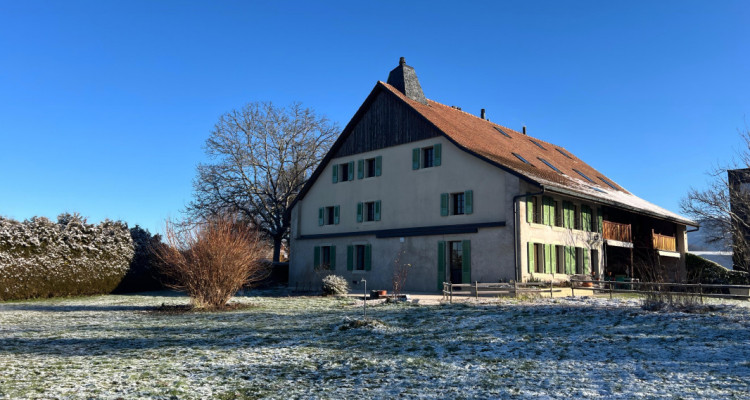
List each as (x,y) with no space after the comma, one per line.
(325,257)
(359,257)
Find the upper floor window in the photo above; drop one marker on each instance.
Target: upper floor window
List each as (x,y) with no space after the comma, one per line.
(427,157)
(370,167)
(328,215)
(368,211)
(457,203)
(343,172)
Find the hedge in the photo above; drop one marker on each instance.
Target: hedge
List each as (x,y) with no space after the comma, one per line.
(706,271)
(41,258)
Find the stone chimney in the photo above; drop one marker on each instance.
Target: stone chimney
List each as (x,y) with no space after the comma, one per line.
(404,79)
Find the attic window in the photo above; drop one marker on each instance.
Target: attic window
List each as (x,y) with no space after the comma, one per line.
(537,143)
(584,175)
(549,165)
(608,183)
(597,189)
(563,153)
(502,131)
(521,158)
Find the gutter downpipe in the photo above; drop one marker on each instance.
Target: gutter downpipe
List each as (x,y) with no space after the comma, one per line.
(516,221)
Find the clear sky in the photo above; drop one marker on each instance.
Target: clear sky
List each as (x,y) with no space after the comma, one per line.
(105,105)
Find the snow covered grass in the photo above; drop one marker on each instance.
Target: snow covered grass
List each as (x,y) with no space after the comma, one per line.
(307,347)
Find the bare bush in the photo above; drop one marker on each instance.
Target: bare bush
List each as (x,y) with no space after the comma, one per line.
(400,273)
(212,260)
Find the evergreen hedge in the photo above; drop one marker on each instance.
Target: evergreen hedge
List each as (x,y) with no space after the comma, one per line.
(701,270)
(41,258)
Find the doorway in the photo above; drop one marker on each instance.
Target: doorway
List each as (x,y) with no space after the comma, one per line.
(456,258)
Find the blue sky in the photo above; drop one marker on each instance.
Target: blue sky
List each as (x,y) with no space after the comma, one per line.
(105,105)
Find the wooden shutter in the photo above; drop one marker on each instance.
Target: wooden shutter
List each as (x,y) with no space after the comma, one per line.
(547,259)
(415,158)
(444,197)
(335,170)
(336,214)
(368,257)
(378,165)
(599,220)
(333,257)
(441,265)
(321,216)
(349,258)
(438,152)
(568,215)
(570,260)
(377,210)
(548,211)
(351,170)
(359,212)
(360,169)
(586,269)
(466,261)
(586,218)
(531,257)
(530,209)
(553,258)
(316,257)
(468,202)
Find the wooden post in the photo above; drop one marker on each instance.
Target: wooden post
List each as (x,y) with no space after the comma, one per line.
(450,288)
(515,289)
(550,288)
(572,289)
(700,291)
(476,290)
(610,291)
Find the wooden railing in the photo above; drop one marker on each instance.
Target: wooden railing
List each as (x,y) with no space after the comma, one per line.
(617,231)
(663,242)
(477,289)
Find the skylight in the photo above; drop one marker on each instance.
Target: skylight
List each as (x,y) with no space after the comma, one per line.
(537,143)
(521,158)
(608,183)
(597,189)
(549,164)
(584,175)
(502,131)
(563,153)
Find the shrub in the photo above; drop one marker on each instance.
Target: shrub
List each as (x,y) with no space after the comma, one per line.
(212,260)
(701,270)
(41,258)
(335,285)
(143,274)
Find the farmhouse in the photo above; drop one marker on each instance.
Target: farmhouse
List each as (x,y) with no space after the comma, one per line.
(463,199)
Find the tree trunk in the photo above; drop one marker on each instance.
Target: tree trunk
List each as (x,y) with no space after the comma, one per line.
(276,249)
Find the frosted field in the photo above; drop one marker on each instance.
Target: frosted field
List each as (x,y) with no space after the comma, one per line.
(113,347)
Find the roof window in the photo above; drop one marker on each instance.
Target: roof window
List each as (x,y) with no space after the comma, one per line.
(608,183)
(502,131)
(563,153)
(597,189)
(521,158)
(584,175)
(549,165)
(537,143)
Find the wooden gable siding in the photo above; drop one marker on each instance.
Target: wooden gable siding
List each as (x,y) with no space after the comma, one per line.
(387,122)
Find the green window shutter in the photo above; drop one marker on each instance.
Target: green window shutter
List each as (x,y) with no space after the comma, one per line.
(531,257)
(316,257)
(336,214)
(586,269)
(349,258)
(444,204)
(553,258)
(335,170)
(468,202)
(600,220)
(466,261)
(529,209)
(321,216)
(333,258)
(548,216)
(415,159)
(378,165)
(568,215)
(438,154)
(359,212)
(360,169)
(570,260)
(377,210)
(586,218)
(351,170)
(547,259)
(368,257)
(441,265)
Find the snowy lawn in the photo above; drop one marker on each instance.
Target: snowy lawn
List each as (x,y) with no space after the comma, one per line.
(295,347)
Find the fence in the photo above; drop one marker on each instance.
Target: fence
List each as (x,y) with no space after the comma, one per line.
(741,292)
(477,289)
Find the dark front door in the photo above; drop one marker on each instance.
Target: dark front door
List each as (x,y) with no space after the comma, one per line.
(456,261)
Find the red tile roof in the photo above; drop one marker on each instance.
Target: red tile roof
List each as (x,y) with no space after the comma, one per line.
(482,137)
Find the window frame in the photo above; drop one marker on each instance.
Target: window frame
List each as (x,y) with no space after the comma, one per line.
(370,167)
(356,262)
(369,210)
(344,172)
(425,160)
(458,203)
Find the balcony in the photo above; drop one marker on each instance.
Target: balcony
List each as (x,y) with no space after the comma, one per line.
(663,242)
(617,231)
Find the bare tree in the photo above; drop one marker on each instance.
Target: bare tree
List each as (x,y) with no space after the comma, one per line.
(261,157)
(212,260)
(723,208)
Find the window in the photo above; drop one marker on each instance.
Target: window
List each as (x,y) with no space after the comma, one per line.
(427,157)
(558,214)
(586,218)
(583,175)
(369,168)
(360,263)
(563,153)
(501,131)
(328,215)
(368,211)
(608,183)
(325,257)
(521,158)
(343,172)
(576,217)
(549,165)
(359,257)
(457,203)
(539,261)
(537,144)
(533,210)
(560,256)
(582,261)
